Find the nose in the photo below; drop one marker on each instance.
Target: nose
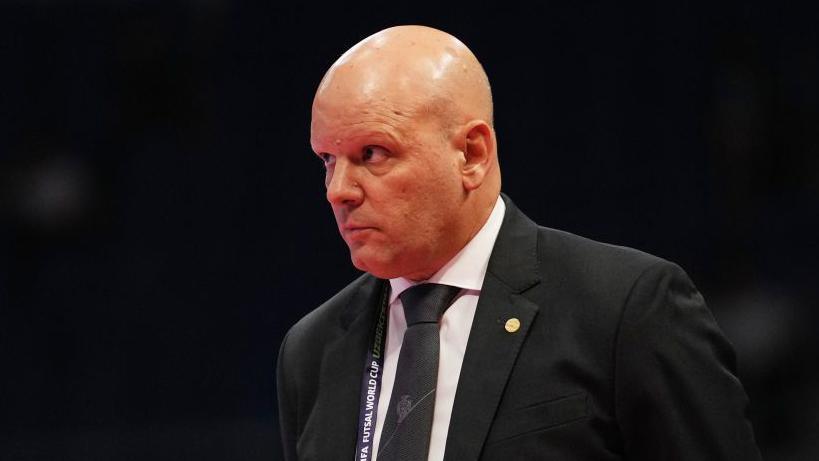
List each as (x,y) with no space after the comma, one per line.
(342,187)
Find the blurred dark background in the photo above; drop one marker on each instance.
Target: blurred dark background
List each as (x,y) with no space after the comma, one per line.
(162,219)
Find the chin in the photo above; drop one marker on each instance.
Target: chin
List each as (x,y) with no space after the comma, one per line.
(377,268)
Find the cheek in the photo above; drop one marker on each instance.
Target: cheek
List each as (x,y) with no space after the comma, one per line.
(416,200)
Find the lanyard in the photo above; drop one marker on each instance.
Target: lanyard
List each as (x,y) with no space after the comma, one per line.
(371,384)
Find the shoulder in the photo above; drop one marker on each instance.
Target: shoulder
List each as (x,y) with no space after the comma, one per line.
(303,349)
(587,279)
(572,257)
(563,261)
(601,285)
(331,315)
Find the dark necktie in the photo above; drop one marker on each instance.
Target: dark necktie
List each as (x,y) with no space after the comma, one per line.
(408,422)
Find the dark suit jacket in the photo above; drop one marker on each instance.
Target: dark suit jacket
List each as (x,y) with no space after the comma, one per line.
(617,357)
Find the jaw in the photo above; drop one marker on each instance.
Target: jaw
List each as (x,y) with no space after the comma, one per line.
(388,262)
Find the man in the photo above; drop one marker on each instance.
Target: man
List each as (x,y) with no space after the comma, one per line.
(549,346)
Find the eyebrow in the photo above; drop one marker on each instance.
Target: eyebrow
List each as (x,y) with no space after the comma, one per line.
(377,135)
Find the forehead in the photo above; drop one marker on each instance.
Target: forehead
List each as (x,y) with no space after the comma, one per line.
(334,124)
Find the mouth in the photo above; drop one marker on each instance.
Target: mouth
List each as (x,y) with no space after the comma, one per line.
(353,231)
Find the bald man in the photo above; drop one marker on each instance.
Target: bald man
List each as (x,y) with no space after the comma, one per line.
(552,346)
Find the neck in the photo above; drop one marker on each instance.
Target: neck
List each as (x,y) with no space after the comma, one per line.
(477,216)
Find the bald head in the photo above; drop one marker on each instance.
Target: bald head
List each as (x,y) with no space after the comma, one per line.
(403,124)
(415,69)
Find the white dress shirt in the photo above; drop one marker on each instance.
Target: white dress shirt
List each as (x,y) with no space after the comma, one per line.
(466,270)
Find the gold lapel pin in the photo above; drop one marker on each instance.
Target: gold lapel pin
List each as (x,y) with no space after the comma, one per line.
(512,325)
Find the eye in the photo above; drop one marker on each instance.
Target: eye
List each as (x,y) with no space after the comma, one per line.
(374,154)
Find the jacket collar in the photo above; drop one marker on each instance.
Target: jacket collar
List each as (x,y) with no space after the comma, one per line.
(514,257)
(493,347)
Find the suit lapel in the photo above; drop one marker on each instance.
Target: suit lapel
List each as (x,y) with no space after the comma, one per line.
(342,370)
(492,350)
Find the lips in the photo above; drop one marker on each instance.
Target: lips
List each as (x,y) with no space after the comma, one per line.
(353,229)
(352,225)
(356,230)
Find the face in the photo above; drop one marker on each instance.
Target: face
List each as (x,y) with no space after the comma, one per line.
(393,181)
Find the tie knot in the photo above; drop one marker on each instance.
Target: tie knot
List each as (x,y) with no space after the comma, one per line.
(426,303)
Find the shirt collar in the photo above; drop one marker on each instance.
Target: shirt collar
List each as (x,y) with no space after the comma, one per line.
(467,268)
